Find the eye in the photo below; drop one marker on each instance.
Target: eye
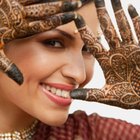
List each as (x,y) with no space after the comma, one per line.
(52,43)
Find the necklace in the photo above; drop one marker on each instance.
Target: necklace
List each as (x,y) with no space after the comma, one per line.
(25,134)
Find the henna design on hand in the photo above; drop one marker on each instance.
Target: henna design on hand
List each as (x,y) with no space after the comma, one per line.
(136,21)
(10,69)
(87,35)
(121,64)
(23,18)
(123,25)
(17,21)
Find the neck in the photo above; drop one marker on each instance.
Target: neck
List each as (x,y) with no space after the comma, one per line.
(12,118)
(26,133)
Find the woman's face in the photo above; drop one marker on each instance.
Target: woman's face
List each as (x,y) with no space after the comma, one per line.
(52,62)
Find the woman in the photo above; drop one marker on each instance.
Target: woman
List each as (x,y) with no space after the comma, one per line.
(54,63)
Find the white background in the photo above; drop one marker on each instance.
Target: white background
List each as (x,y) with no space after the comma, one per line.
(98,81)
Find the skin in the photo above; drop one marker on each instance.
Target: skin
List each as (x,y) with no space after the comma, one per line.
(120,64)
(39,63)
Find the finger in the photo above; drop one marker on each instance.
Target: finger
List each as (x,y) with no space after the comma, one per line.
(87,36)
(123,25)
(10,69)
(50,23)
(127,101)
(27,2)
(136,20)
(30,28)
(47,9)
(106,25)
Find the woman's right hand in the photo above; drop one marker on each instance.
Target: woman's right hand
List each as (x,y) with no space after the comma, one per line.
(120,64)
(22,18)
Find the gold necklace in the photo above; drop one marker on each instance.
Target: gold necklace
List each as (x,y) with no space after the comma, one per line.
(25,134)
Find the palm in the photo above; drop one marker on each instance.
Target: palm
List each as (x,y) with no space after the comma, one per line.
(121,68)
(120,65)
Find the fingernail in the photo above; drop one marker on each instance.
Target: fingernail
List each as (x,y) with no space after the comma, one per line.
(67,17)
(15,74)
(85,1)
(70,6)
(7,67)
(132,11)
(116,4)
(79,21)
(99,3)
(79,94)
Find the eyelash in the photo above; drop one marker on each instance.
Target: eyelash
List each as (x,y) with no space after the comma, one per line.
(52,44)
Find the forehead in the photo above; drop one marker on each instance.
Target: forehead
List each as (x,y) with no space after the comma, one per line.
(88,12)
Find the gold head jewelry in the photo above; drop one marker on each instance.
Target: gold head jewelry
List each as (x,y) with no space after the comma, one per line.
(25,134)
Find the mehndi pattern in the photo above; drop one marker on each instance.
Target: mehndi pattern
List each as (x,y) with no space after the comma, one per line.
(120,65)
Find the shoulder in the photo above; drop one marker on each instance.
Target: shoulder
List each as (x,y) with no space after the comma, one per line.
(79,124)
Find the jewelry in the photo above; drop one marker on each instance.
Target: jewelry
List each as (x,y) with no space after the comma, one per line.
(25,134)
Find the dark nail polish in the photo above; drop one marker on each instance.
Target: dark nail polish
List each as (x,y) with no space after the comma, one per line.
(67,17)
(85,1)
(99,3)
(132,11)
(79,21)
(69,6)
(79,94)
(15,74)
(116,4)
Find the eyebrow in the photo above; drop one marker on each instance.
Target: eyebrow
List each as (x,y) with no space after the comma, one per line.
(69,36)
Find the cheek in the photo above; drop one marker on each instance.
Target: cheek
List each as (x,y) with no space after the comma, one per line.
(39,64)
(89,67)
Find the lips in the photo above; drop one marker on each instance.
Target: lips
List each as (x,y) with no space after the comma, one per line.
(57,93)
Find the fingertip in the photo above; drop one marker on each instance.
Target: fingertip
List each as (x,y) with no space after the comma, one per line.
(67,17)
(116,4)
(15,74)
(132,11)
(99,3)
(79,94)
(79,21)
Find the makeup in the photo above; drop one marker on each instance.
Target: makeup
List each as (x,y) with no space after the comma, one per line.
(57,93)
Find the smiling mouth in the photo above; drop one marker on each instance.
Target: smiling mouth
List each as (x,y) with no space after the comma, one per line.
(57,91)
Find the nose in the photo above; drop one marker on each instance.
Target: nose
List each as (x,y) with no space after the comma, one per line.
(74,68)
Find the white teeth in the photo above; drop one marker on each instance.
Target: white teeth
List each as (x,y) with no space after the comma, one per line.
(48,88)
(53,90)
(65,93)
(58,92)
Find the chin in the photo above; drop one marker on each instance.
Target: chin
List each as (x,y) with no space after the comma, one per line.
(55,119)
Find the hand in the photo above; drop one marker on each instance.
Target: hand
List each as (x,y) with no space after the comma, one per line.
(23,18)
(120,65)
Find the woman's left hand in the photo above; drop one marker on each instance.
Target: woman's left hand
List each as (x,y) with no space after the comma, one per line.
(120,65)
(23,18)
